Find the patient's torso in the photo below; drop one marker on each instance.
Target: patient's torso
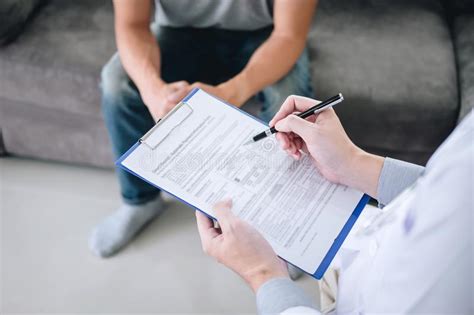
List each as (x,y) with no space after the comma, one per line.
(223,14)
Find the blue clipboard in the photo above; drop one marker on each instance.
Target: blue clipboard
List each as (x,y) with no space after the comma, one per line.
(338,241)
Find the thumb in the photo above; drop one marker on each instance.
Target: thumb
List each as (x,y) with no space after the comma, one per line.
(298,125)
(177,95)
(223,214)
(197,85)
(180,84)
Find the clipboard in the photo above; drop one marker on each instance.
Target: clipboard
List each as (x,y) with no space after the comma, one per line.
(179,115)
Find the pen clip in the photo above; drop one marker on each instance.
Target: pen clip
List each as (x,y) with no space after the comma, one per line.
(337,101)
(168,123)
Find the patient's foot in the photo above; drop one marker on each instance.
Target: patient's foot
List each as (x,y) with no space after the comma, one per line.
(118,230)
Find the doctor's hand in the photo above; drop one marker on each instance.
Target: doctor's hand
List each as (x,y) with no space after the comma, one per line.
(323,137)
(239,246)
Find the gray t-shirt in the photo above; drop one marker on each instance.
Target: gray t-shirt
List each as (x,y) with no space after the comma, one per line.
(223,14)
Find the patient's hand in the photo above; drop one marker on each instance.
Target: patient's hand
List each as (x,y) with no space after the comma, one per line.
(166,96)
(225,91)
(239,246)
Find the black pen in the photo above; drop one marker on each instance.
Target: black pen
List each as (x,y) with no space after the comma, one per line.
(313,110)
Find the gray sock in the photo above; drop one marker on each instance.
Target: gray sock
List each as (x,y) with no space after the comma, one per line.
(295,273)
(118,230)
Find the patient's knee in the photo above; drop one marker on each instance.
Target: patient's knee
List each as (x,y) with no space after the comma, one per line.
(114,81)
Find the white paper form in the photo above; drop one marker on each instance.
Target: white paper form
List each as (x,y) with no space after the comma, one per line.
(203,160)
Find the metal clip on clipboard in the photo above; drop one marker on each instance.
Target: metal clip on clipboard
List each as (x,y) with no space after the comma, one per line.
(167,124)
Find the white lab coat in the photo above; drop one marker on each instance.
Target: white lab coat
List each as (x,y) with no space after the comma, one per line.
(417,256)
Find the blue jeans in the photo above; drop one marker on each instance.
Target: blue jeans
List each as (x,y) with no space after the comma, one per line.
(208,55)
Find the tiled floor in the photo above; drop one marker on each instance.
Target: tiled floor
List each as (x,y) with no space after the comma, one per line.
(46,213)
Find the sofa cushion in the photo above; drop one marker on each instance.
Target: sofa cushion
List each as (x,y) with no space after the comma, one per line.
(394,63)
(56,63)
(54,134)
(464,43)
(14,15)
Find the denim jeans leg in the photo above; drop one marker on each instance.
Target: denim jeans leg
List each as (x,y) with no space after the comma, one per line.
(127,119)
(297,81)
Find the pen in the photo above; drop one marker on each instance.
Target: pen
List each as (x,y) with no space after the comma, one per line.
(311,111)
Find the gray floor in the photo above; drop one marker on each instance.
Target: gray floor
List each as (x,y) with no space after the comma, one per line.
(46,213)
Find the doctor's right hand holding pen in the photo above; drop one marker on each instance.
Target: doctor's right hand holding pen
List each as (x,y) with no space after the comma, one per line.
(323,137)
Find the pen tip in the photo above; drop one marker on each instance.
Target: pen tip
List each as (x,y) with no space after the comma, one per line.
(248,142)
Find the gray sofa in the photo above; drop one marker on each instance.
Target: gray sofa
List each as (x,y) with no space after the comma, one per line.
(405,68)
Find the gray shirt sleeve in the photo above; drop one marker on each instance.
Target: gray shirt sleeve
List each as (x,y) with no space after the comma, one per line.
(396,176)
(280,294)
